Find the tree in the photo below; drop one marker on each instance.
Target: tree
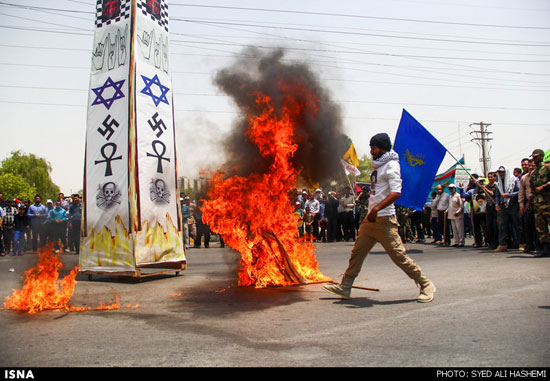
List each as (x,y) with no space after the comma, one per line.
(365,166)
(14,186)
(34,170)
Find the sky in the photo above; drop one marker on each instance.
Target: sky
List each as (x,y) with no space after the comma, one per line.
(452,64)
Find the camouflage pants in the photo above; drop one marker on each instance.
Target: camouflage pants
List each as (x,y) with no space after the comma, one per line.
(542,220)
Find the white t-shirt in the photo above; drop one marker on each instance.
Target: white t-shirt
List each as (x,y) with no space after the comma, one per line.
(385,180)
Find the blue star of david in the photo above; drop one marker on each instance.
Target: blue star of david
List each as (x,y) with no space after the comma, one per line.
(109,101)
(148,91)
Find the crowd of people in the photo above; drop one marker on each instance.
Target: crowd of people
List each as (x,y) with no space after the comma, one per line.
(506,210)
(331,217)
(30,226)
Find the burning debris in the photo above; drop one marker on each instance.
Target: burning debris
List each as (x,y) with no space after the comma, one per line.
(42,289)
(287,131)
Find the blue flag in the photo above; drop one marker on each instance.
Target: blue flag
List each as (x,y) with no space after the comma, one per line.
(420,155)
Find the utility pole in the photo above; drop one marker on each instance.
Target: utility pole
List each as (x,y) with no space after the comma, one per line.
(481,138)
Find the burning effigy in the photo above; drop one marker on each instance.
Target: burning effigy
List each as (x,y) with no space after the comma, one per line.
(287,132)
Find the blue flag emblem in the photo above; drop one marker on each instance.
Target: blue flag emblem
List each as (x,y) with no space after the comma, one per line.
(420,155)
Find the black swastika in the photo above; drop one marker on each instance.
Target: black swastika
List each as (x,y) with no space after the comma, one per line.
(108,124)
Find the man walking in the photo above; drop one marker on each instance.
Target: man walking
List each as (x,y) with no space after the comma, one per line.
(381,225)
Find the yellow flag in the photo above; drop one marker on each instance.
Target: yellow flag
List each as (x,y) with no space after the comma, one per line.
(351,156)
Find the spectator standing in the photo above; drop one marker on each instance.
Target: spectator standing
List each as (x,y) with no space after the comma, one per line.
(508,206)
(299,213)
(21,224)
(38,214)
(455,214)
(363,200)
(443,198)
(185,215)
(540,184)
(202,229)
(58,220)
(491,213)
(9,220)
(348,203)
(74,221)
(313,207)
(525,198)
(416,217)
(2,216)
(434,215)
(323,219)
(522,202)
(64,203)
(341,219)
(331,213)
(470,197)
(480,210)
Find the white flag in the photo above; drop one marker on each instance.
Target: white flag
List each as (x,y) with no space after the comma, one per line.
(350,169)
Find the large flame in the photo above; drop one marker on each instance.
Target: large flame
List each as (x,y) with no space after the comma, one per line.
(254,214)
(42,289)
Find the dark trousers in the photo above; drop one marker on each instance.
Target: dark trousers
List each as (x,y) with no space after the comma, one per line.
(202,230)
(529,229)
(315,226)
(349,226)
(416,219)
(7,236)
(38,238)
(477,222)
(491,218)
(340,227)
(508,226)
(58,233)
(436,230)
(332,228)
(323,230)
(74,236)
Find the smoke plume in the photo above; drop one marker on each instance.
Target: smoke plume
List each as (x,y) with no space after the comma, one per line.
(319,139)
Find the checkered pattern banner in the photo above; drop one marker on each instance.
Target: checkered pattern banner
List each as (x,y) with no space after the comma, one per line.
(157,10)
(111,11)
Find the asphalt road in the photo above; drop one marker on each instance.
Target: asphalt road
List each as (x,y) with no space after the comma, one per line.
(490,310)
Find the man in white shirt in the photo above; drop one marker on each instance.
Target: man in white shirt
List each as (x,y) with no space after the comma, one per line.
(381,225)
(313,206)
(455,213)
(348,203)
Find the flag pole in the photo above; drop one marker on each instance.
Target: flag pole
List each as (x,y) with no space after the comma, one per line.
(469,174)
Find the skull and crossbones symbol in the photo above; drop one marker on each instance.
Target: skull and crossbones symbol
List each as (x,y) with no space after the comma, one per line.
(158,191)
(107,195)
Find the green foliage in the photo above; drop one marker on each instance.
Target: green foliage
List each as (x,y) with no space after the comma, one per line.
(365,166)
(14,186)
(34,170)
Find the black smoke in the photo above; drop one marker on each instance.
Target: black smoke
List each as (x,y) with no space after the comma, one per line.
(319,139)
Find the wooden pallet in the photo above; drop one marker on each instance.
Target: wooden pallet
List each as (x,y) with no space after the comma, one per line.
(142,271)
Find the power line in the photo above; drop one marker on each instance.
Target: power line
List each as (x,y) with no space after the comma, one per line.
(360,16)
(362,33)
